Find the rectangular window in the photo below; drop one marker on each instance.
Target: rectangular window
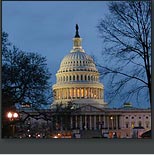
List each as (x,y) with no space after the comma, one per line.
(127,125)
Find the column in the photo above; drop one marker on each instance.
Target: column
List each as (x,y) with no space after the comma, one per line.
(60,93)
(56,94)
(87,92)
(90,122)
(71,122)
(75,77)
(104,121)
(94,122)
(65,93)
(108,121)
(112,121)
(116,122)
(72,92)
(85,122)
(84,92)
(100,122)
(76,121)
(76,92)
(81,122)
(97,93)
(101,94)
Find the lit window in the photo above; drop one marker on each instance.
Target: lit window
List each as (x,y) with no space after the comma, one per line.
(132,124)
(86,93)
(74,92)
(81,92)
(78,92)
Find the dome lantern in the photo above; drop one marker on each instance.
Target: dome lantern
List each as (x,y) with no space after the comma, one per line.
(77,41)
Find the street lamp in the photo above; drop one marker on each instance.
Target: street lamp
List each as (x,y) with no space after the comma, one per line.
(12,116)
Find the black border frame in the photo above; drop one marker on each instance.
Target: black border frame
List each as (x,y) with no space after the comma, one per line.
(81,146)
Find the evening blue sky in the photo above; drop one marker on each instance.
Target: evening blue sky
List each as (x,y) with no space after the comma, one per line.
(47,27)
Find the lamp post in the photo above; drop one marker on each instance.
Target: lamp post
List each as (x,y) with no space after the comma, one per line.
(12,116)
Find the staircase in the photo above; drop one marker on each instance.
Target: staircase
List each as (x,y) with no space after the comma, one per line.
(91,134)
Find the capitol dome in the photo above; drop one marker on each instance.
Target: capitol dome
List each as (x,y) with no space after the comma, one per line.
(78,78)
(77,61)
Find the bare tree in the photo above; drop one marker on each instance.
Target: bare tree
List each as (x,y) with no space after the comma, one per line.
(62,114)
(126,58)
(25,81)
(25,77)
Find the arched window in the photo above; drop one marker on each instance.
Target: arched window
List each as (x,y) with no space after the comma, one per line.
(139,123)
(66,78)
(85,77)
(77,77)
(81,77)
(89,78)
(73,77)
(70,78)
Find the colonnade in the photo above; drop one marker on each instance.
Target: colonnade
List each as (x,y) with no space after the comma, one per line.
(94,122)
(77,77)
(78,93)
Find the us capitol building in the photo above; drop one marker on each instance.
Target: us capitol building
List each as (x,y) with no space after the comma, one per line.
(78,83)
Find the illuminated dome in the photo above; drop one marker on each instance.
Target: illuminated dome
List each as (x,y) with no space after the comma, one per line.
(77,61)
(78,78)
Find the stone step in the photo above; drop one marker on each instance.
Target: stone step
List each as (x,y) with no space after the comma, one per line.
(91,134)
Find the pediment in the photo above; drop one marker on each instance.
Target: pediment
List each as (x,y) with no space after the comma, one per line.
(90,108)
